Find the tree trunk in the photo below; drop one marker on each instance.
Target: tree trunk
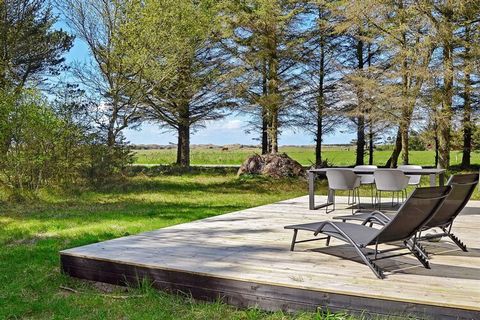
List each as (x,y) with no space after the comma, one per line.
(360,140)
(445,119)
(273,92)
(467,134)
(111,137)
(392,162)
(320,102)
(360,118)
(111,134)
(274,132)
(183,145)
(265,144)
(406,112)
(404,141)
(318,144)
(370,146)
(467,106)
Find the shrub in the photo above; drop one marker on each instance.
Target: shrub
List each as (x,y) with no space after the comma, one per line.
(39,148)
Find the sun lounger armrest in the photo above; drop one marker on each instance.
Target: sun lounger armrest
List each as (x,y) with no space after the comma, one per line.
(374,219)
(380,213)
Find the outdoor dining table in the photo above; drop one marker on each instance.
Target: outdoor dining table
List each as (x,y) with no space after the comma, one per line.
(313,173)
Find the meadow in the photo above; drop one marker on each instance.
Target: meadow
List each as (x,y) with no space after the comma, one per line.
(338,156)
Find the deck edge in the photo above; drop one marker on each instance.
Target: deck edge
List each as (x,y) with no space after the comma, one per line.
(247,293)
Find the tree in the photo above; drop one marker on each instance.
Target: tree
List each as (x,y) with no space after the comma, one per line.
(407,50)
(354,52)
(108,76)
(29,49)
(184,80)
(469,37)
(29,46)
(319,115)
(267,38)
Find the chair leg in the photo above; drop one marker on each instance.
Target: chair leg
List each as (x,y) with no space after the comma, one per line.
(418,253)
(371,193)
(376,269)
(331,195)
(455,239)
(379,200)
(458,242)
(358,196)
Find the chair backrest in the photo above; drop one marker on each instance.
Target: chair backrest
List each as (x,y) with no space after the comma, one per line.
(414,178)
(414,213)
(463,186)
(341,179)
(409,166)
(366,166)
(366,178)
(390,180)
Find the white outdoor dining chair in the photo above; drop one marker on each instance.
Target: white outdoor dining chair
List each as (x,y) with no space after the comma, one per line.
(414,179)
(367,179)
(390,180)
(345,180)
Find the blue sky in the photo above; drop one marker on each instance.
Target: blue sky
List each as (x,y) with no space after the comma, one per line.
(229,130)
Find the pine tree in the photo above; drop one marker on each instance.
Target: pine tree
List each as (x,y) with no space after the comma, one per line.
(267,39)
(319,115)
(185,70)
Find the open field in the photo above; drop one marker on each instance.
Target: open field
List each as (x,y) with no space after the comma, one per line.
(305,155)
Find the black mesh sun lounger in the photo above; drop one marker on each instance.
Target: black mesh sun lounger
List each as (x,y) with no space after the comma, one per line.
(463,186)
(419,208)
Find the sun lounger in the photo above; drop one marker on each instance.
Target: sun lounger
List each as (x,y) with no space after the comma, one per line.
(419,208)
(463,186)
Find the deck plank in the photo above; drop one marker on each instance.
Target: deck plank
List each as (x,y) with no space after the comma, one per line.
(251,246)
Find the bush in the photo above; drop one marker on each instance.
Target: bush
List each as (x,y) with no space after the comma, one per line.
(107,163)
(416,143)
(41,147)
(38,147)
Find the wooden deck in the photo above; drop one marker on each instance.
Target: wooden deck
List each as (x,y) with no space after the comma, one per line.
(244,258)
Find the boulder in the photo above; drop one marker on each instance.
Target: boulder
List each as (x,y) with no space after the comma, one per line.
(272,165)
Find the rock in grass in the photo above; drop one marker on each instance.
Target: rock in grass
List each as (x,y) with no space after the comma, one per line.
(272,165)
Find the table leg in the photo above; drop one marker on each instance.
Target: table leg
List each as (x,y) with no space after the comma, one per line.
(433,180)
(311,190)
(441,179)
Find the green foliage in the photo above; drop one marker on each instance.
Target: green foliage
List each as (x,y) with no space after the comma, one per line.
(107,163)
(416,142)
(28,45)
(40,148)
(43,146)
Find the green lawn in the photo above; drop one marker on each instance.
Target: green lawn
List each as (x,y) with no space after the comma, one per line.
(306,156)
(32,234)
